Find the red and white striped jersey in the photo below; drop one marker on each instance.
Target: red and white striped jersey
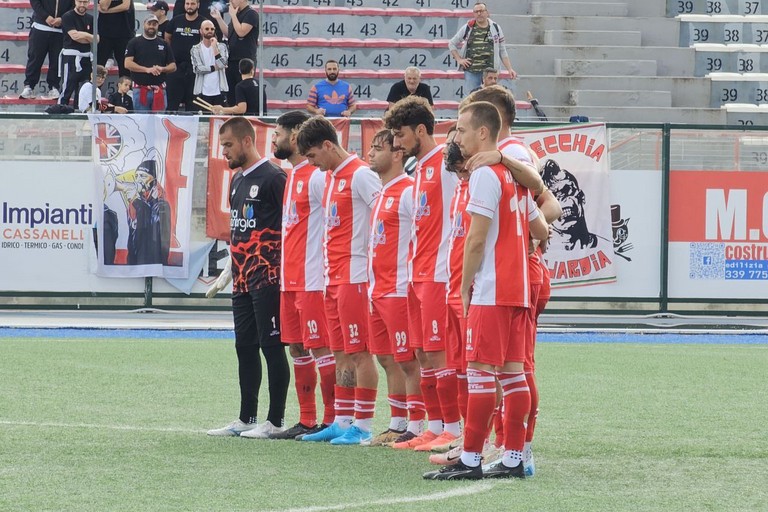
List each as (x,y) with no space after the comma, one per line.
(390,242)
(432,223)
(350,191)
(503,276)
(460,223)
(302,257)
(516,148)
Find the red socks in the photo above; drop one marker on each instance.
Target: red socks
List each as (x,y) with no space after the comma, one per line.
(448,393)
(429,393)
(326,366)
(517,404)
(344,405)
(306,381)
(534,412)
(482,400)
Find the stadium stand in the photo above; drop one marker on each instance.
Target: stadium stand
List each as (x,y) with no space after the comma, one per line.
(655,61)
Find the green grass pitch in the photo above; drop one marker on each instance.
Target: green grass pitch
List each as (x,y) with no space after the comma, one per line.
(93,424)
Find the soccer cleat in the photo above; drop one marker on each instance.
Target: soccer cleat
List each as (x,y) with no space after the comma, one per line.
(529,466)
(444,439)
(262,431)
(458,471)
(325,435)
(405,436)
(353,436)
(457,442)
(27,93)
(233,429)
(387,437)
(291,433)
(499,470)
(448,458)
(53,94)
(492,453)
(314,430)
(426,437)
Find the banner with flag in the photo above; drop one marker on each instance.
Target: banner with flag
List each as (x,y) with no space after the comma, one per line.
(575,166)
(219,174)
(144,167)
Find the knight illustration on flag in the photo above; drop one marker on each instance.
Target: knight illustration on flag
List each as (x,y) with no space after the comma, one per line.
(144,168)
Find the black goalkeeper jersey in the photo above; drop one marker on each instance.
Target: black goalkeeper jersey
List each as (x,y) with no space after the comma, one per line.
(255,221)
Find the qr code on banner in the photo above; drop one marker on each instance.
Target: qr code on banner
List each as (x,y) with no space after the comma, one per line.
(707,261)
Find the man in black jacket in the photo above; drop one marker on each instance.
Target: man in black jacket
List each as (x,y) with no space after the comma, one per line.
(45,38)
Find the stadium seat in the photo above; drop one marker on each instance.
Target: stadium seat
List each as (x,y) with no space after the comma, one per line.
(741,58)
(714,7)
(738,88)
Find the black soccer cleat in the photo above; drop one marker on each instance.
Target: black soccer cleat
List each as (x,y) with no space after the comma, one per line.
(499,470)
(314,430)
(458,471)
(291,433)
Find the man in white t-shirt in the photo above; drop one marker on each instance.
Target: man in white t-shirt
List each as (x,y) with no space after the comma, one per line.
(209,62)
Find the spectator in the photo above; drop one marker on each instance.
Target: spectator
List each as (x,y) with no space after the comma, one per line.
(149,59)
(209,60)
(410,86)
(121,97)
(76,57)
(85,97)
(246,94)
(45,38)
(490,77)
(331,97)
(205,6)
(481,42)
(160,9)
(182,33)
(117,19)
(242,38)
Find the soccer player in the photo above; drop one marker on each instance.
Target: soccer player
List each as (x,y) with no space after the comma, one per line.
(388,249)
(412,123)
(495,282)
(302,318)
(351,188)
(518,158)
(256,200)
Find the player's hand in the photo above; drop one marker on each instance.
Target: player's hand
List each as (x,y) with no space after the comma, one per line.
(466,296)
(483,158)
(222,281)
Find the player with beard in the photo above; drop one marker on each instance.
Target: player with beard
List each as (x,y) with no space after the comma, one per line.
(388,250)
(351,189)
(331,97)
(514,154)
(256,199)
(149,59)
(412,123)
(302,318)
(495,283)
(182,33)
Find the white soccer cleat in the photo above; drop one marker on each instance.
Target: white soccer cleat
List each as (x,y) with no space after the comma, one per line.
(234,429)
(262,431)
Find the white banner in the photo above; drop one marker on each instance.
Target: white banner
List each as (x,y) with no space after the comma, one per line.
(575,168)
(144,170)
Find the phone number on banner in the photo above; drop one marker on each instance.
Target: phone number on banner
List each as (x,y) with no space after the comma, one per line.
(746,269)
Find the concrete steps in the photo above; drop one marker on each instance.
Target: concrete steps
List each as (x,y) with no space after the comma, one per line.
(639,114)
(629,98)
(586,67)
(593,37)
(579,9)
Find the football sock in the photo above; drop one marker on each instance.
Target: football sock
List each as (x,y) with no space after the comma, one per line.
(416,414)
(431,400)
(279,375)
(398,409)
(326,366)
(345,406)
(534,412)
(527,451)
(517,403)
(448,393)
(512,458)
(461,378)
(498,426)
(482,401)
(249,373)
(365,406)
(306,380)
(471,459)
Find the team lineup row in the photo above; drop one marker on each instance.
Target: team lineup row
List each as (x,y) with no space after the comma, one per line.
(439,276)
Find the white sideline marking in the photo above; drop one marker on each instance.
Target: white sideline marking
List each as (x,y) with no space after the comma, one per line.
(105,427)
(463,491)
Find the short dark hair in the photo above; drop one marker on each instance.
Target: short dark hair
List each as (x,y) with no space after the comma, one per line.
(453,157)
(292,120)
(501,98)
(245,66)
(385,136)
(240,128)
(331,61)
(410,111)
(484,113)
(124,78)
(314,132)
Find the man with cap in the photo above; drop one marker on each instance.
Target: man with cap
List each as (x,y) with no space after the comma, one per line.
(160,10)
(149,59)
(149,219)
